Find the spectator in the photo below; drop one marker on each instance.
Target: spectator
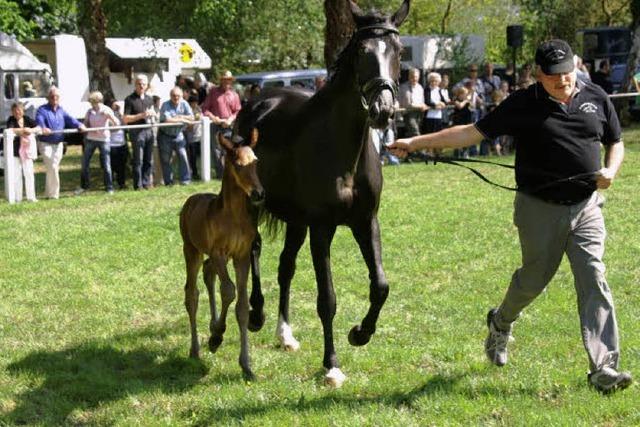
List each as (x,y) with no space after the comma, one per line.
(436,101)
(510,77)
(119,150)
(581,70)
(525,79)
(24,151)
(555,215)
(411,98)
(193,135)
(602,76)
(202,86)
(52,118)
(490,82)
(221,106)
(98,116)
(444,88)
(319,82)
(381,138)
(27,90)
(171,138)
(138,110)
(462,115)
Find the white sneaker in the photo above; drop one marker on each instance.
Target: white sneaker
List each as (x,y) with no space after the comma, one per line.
(495,346)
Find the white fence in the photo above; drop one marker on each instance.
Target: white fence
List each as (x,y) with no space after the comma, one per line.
(9,167)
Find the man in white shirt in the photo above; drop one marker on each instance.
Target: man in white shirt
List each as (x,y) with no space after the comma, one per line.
(411,98)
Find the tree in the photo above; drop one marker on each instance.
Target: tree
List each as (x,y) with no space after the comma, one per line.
(93,28)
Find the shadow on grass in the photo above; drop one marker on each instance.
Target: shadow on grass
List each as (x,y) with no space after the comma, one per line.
(437,385)
(88,375)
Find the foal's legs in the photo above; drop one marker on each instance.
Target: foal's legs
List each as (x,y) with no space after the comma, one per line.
(256,314)
(294,238)
(367,234)
(209,277)
(193,260)
(321,237)
(242,314)
(227,294)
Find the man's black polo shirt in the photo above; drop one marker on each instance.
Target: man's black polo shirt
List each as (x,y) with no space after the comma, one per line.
(555,141)
(133,104)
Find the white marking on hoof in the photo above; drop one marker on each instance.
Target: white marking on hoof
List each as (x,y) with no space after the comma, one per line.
(285,336)
(334,378)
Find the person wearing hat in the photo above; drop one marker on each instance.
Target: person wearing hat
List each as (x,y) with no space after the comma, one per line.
(221,106)
(558,125)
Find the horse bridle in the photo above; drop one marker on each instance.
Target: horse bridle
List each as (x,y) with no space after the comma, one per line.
(372,88)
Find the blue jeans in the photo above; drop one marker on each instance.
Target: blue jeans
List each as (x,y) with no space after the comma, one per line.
(167,145)
(90,146)
(142,161)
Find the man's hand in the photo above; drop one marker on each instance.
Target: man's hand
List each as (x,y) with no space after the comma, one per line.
(604,178)
(401,147)
(82,128)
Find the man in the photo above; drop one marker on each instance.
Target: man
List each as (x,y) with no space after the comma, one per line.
(138,110)
(602,77)
(411,98)
(221,106)
(490,82)
(558,126)
(52,117)
(171,139)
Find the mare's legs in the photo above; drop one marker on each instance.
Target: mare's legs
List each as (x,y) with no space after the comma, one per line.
(209,277)
(294,238)
(227,294)
(321,237)
(256,314)
(367,234)
(193,260)
(242,314)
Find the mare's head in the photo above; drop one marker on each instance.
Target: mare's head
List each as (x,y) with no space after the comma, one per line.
(241,164)
(375,47)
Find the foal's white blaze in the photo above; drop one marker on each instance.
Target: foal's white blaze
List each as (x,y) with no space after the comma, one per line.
(334,378)
(285,335)
(382,46)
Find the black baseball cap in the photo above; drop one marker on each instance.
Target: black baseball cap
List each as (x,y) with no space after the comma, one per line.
(555,57)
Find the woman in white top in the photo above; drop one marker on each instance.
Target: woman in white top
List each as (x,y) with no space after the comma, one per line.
(436,101)
(98,116)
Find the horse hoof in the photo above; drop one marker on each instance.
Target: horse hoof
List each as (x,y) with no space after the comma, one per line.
(248,376)
(289,344)
(214,343)
(334,378)
(358,337)
(256,320)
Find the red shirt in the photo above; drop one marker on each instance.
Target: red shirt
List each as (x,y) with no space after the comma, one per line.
(221,103)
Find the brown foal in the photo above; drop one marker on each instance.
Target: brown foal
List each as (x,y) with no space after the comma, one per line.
(222,227)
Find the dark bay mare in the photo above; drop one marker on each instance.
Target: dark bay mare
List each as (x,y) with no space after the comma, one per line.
(319,170)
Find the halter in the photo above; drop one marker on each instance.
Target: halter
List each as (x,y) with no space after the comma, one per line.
(372,88)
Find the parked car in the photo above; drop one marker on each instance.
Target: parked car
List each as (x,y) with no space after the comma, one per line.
(265,79)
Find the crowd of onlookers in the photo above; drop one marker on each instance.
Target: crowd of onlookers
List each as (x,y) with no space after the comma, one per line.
(147,151)
(154,150)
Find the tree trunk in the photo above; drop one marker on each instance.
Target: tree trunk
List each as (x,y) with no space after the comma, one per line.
(338,29)
(444,24)
(93,28)
(632,62)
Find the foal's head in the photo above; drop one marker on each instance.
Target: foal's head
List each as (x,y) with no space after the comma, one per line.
(241,163)
(376,47)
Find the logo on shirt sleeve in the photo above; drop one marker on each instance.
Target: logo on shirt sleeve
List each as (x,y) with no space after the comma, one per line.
(588,107)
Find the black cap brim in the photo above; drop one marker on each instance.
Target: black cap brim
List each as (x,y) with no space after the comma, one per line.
(561,68)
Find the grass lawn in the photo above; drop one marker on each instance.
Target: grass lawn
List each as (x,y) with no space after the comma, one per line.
(93,329)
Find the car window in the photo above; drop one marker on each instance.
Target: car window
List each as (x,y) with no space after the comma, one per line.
(273,83)
(9,82)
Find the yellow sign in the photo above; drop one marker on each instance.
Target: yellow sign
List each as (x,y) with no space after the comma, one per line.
(186,52)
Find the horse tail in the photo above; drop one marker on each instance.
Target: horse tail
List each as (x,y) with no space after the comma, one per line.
(270,225)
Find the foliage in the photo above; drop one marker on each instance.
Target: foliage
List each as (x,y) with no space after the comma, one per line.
(93,329)
(36,18)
